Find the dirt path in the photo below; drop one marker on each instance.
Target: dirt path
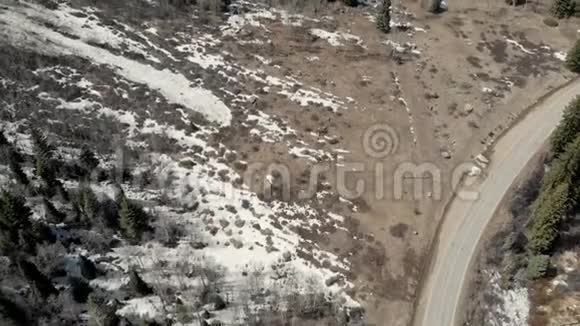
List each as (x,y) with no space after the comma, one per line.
(465,221)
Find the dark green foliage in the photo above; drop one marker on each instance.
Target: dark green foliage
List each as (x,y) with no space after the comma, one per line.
(12,313)
(87,203)
(3,139)
(41,145)
(87,267)
(79,289)
(132,220)
(52,214)
(41,284)
(45,166)
(16,228)
(351,3)
(218,302)
(550,208)
(573,58)
(137,286)
(537,267)
(384,17)
(88,161)
(568,128)
(563,8)
(13,159)
(102,312)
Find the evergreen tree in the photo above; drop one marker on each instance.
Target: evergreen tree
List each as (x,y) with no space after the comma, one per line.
(14,219)
(537,267)
(573,58)
(101,312)
(87,203)
(41,145)
(563,8)
(52,214)
(79,289)
(568,128)
(88,161)
(17,230)
(3,139)
(552,208)
(137,286)
(384,17)
(565,169)
(44,165)
(132,220)
(13,159)
(42,285)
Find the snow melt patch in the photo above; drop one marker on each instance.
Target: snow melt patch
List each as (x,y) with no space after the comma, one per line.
(519,46)
(560,56)
(336,38)
(175,87)
(515,306)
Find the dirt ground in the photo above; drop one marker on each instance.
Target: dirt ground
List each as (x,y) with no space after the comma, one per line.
(480,65)
(459,101)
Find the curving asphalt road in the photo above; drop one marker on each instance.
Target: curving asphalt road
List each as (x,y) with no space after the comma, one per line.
(466,221)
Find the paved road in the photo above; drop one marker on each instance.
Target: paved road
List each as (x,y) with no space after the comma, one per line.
(465,221)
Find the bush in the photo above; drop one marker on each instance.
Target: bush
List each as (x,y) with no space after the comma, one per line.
(384,17)
(563,8)
(537,267)
(351,3)
(573,58)
(551,22)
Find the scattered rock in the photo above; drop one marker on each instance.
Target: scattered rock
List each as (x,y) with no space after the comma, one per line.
(198,245)
(432,95)
(240,223)
(332,280)
(468,108)
(224,223)
(445,154)
(237,243)
(241,165)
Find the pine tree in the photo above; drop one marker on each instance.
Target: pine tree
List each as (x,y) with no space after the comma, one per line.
(41,145)
(18,231)
(101,312)
(552,208)
(42,285)
(137,286)
(563,8)
(88,161)
(13,159)
(573,58)
(3,139)
(14,216)
(44,159)
(87,202)
(384,17)
(52,214)
(568,128)
(132,220)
